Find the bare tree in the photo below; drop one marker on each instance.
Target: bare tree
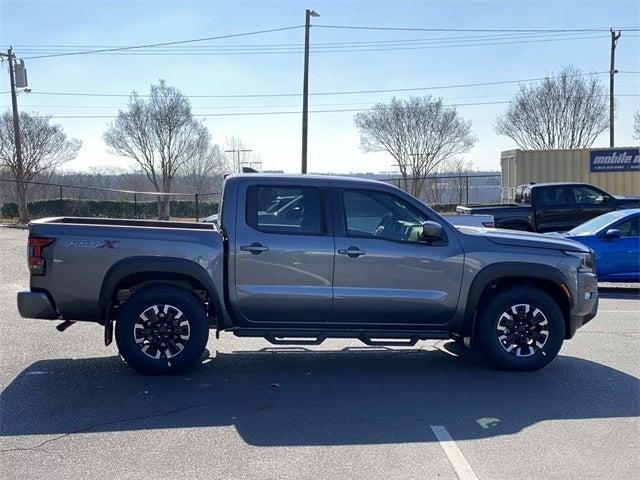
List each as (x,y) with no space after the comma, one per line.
(161,135)
(434,187)
(45,146)
(236,158)
(204,172)
(636,125)
(419,133)
(459,168)
(568,110)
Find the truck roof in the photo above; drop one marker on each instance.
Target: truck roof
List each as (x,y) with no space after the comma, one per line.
(315,179)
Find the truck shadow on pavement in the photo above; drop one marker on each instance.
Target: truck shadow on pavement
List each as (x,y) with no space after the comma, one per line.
(291,397)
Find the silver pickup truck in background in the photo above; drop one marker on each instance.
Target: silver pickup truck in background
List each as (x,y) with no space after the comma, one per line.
(351,259)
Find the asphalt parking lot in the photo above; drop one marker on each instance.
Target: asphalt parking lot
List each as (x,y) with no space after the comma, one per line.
(71,409)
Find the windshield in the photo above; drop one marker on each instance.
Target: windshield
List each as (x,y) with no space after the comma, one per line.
(596,224)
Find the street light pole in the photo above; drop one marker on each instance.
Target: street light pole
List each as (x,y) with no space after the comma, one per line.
(305,87)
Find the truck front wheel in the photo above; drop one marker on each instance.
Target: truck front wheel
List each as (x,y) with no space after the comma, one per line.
(520,329)
(162,329)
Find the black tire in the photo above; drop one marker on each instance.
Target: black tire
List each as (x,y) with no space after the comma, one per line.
(532,348)
(166,309)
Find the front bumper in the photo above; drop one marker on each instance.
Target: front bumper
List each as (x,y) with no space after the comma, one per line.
(36,305)
(585,305)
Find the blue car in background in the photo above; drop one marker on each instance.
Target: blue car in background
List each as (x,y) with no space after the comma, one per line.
(615,239)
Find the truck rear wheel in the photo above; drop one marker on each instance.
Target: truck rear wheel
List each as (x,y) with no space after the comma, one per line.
(520,329)
(162,329)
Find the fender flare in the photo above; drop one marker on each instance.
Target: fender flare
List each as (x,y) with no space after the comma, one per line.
(135,265)
(523,270)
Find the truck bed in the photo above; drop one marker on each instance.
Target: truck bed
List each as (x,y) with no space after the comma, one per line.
(84,250)
(125,222)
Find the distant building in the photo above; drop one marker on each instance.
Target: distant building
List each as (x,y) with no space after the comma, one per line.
(615,170)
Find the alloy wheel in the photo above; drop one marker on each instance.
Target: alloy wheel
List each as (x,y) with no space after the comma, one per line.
(161,331)
(523,330)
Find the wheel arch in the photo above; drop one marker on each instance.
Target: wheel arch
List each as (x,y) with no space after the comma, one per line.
(143,271)
(548,279)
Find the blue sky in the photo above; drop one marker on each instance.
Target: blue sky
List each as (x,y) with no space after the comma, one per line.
(333,139)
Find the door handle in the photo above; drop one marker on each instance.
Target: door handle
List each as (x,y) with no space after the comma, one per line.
(255,248)
(352,252)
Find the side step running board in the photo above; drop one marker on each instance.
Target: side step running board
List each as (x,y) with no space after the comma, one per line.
(388,342)
(316,337)
(284,340)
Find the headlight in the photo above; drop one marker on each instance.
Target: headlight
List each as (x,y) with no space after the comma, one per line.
(587,262)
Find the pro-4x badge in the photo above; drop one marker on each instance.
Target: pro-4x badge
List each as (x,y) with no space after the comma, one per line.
(91,243)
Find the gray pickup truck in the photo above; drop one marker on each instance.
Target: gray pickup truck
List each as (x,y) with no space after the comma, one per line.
(351,259)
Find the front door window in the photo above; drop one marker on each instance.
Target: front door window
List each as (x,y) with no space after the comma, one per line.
(370,214)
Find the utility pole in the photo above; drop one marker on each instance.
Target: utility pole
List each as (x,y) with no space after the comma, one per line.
(16,119)
(612,71)
(305,87)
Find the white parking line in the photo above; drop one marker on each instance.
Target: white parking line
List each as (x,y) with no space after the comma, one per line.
(619,311)
(456,458)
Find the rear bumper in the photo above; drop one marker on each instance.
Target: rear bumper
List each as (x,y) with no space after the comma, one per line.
(586,303)
(36,305)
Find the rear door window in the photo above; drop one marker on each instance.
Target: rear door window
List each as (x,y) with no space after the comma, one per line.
(291,210)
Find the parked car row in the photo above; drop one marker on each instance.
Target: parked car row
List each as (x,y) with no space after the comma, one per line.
(609,225)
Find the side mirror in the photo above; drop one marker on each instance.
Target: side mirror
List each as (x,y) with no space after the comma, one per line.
(431,231)
(612,233)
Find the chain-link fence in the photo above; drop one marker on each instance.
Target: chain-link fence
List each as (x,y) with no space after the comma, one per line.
(48,199)
(55,199)
(445,192)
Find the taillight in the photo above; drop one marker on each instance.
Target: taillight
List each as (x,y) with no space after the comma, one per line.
(489,224)
(35,254)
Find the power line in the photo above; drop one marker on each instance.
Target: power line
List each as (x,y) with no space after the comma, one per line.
(323,45)
(431,39)
(351,92)
(522,30)
(271,113)
(296,112)
(290,105)
(220,51)
(132,47)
